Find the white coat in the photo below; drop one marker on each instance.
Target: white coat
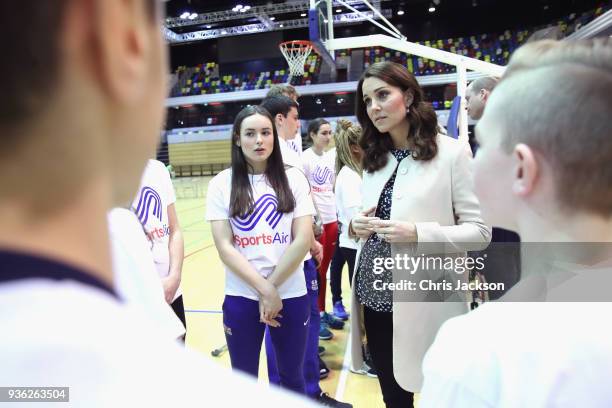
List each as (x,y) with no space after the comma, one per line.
(438,197)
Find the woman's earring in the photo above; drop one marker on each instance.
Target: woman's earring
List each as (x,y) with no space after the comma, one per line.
(407,110)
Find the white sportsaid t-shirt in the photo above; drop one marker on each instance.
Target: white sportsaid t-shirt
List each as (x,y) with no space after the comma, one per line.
(522,354)
(264,236)
(109,355)
(154,196)
(293,159)
(296,143)
(136,278)
(321,175)
(290,156)
(348,202)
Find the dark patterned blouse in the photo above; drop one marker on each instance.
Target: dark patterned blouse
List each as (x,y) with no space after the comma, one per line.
(367,295)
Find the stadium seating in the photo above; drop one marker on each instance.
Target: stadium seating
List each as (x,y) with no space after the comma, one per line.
(496,48)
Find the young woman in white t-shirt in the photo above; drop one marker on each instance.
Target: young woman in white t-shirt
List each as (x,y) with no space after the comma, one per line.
(348,202)
(319,168)
(260,218)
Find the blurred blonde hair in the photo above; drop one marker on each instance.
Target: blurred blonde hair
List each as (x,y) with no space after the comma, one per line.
(347,134)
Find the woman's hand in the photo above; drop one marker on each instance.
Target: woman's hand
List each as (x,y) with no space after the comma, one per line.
(360,224)
(395,231)
(316,250)
(170,284)
(270,304)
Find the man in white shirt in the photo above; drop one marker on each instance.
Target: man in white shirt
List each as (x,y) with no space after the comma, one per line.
(543,169)
(81,112)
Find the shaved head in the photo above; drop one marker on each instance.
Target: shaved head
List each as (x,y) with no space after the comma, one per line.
(560,106)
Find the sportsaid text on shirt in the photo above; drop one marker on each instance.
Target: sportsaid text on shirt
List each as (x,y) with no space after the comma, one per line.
(263,239)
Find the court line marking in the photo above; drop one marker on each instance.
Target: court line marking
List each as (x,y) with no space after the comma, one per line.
(198,250)
(193,208)
(192,224)
(203,311)
(341,387)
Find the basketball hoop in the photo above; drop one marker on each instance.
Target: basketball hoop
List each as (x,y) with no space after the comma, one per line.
(296,52)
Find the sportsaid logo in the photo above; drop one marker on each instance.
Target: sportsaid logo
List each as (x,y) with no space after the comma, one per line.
(150,203)
(266,206)
(322,175)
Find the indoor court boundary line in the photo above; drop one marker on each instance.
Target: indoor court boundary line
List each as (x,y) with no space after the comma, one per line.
(204,311)
(198,250)
(192,224)
(193,208)
(341,387)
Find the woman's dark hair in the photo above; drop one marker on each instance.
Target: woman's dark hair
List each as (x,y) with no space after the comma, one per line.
(241,196)
(421,117)
(315,124)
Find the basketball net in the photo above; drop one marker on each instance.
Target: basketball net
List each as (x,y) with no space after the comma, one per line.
(296,53)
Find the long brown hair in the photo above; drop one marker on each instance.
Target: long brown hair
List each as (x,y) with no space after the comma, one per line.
(421,117)
(241,196)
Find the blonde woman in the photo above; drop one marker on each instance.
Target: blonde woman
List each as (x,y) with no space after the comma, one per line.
(348,203)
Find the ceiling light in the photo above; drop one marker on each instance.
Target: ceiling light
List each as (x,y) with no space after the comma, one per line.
(432,8)
(223,32)
(281,26)
(338,10)
(272,18)
(193,16)
(246,8)
(208,26)
(400,12)
(303,15)
(185,15)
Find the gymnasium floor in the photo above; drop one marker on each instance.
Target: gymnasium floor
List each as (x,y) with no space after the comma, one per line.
(203,282)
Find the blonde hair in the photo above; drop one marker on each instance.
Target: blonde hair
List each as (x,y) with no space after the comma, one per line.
(556,97)
(347,134)
(283,89)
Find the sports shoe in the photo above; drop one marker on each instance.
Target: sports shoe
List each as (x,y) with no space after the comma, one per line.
(368,363)
(325,400)
(323,370)
(324,332)
(372,372)
(363,370)
(321,350)
(331,321)
(339,311)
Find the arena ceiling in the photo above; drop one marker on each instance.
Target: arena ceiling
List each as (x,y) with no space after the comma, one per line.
(176,7)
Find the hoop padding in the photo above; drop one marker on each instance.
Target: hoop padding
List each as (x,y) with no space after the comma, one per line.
(296,53)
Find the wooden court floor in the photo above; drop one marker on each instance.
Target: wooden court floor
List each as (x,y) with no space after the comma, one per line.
(203,283)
